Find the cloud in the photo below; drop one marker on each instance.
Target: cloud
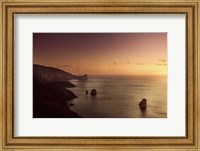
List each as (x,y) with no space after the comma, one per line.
(139,63)
(161,60)
(67,66)
(127,62)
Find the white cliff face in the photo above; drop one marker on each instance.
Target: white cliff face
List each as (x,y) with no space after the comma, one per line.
(51,74)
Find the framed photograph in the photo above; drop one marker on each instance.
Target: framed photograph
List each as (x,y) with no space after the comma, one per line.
(97,75)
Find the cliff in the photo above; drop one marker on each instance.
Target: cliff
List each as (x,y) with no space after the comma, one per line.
(50,93)
(49,100)
(42,73)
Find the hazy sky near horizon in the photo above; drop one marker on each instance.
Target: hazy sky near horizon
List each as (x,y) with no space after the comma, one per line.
(102,53)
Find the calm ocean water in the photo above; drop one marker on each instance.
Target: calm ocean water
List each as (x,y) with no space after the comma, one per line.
(119,96)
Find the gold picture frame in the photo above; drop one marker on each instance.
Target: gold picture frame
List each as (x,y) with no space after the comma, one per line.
(8,142)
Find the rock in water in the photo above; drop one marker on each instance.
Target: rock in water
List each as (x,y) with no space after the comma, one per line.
(143,104)
(86,92)
(93,92)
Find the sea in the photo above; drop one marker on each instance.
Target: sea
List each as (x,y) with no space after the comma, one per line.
(119,97)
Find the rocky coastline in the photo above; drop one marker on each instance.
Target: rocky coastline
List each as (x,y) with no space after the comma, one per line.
(50,92)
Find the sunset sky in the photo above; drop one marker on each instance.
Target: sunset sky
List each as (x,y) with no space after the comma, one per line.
(102,53)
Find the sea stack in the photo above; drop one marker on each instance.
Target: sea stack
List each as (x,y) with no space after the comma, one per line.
(86,92)
(143,104)
(83,77)
(93,92)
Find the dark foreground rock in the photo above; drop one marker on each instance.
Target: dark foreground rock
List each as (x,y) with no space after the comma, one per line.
(52,90)
(93,92)
(50,93)
(50,109)
(49,100)
(65,84)
(143,104)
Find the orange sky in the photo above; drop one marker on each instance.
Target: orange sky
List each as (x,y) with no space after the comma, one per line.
(102,53)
